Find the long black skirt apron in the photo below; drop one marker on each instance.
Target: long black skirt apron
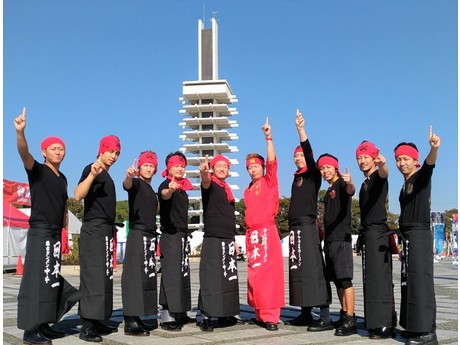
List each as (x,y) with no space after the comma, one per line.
(418,304)
(219,288)
(44,295)
(377,276)
(96,270)
(308,286)
(139,277)
(175,292)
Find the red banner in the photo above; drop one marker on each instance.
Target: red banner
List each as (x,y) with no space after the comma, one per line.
(16,192)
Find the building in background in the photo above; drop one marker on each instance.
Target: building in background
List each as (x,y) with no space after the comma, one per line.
(207,110)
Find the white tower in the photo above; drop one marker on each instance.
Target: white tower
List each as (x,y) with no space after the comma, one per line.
(207,112)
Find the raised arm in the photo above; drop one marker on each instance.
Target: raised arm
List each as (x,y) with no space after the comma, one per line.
(267,130)
(347,178)
(83,187)
(130,173)
(23,148)
(435,143)
(380,161)
(300,125)
(204,173)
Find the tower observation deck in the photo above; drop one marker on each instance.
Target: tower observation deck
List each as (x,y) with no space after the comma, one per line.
(207,118)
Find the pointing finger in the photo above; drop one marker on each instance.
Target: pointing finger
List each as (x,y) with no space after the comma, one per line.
(346,170)
(266,120)
(431,131)
(24,112)
(134,163)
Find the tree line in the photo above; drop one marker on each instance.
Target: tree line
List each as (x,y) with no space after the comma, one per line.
(122,214)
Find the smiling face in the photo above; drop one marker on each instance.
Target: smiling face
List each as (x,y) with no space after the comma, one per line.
(54,153)
(177,171)
(221,170)
(406,165)
(329,173)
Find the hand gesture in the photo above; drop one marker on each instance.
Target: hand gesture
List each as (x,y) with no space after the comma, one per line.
(299,120)
(131,172)
(380,160)
(434,140)
(20,121)
(267,129)
(204,167)
(347,176)
(173,185)
(97,167)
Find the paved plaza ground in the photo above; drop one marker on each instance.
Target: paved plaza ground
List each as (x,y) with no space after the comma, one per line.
(446,287)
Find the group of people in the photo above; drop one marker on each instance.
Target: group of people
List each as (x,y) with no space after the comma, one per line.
(45,296)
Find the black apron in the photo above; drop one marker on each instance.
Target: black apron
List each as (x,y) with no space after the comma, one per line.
(219,288)
(44,295)
(418,303)
(139,277)
(96,270)
(308,286)
(377,276)
(175,292)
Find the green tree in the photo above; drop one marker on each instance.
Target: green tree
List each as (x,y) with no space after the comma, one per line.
(76,208)
(122,211)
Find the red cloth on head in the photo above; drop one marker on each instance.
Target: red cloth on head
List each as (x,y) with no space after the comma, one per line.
(50,141)
(328,160)
(220,158)
(173,161)
(110,142)
(367,148)
(148,157)
(406,150)
(254,160)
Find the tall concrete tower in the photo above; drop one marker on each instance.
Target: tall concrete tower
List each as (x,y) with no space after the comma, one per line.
(207,111)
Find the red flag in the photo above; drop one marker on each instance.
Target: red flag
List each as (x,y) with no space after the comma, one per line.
(16,192)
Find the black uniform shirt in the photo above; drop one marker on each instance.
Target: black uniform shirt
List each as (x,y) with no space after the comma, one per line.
(337,212)
(143,203)
(372,198)
(48,194)
(219,213)
(415,197)
(304,190)
(100,202)
(174,211)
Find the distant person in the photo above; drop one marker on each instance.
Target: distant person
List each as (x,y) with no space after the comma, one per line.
(219,288)
(375,241)
(308,286)
(175,293)
(263,245)
(418,302)
(41,290)
(337,242)
(97,189)
(139,277)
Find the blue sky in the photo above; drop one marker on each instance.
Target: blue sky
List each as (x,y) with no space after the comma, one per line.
(376,70)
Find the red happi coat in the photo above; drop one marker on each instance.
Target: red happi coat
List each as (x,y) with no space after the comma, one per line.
(263,245)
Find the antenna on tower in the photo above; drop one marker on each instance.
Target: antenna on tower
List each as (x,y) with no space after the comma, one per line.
(204,14)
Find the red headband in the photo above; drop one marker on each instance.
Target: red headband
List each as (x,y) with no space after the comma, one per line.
(367,148)
(47,142)
(220,158)
(254,160)
(148,157)
(110,142)
(298,149)
(407,150)
(172,161)
(328,160)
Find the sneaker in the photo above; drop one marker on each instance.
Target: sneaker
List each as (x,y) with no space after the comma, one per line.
(348,327)
(320,325)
